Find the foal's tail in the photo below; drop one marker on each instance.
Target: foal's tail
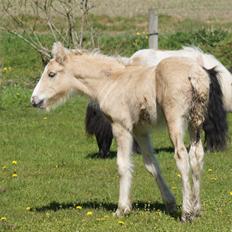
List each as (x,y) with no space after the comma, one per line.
(215,124)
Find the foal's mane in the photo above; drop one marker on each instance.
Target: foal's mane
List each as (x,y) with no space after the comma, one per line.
(96,53)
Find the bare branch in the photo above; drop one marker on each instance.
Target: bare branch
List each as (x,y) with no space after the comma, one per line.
(29,19)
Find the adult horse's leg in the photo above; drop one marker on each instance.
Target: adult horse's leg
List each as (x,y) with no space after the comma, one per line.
(152,166)
(124,141)
(176,128)
(196,155)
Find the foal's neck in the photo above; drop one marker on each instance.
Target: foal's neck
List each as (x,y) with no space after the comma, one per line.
(96,74)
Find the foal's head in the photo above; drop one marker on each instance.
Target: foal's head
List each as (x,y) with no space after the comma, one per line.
(56,82)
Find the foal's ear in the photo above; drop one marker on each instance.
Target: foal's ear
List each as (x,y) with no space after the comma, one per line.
(59,52)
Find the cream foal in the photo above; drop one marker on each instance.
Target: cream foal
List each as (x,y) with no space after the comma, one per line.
(128,96)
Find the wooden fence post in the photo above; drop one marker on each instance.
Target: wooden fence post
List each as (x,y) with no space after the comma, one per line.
(153,29)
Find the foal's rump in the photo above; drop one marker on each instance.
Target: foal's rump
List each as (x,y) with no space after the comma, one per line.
(182,88)
(186,90)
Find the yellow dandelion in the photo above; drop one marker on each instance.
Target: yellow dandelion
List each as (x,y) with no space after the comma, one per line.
(14,162)
(231,193)
(3,219)
(89,213)
(14,175)
(210,170)
(78,207)
(28,208)
(120,222)
(178,174)
(5,69)
(138,33)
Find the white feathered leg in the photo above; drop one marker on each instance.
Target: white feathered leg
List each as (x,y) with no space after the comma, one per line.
(124,149)
(196,155)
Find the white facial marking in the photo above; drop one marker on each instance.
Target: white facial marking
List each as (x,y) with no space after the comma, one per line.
(36,91)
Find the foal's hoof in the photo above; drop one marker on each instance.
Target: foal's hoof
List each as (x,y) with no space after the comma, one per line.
(197,210)
(187,217)
(122,212)
(197,213)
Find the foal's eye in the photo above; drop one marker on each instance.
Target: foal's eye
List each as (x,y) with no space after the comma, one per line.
(51,74)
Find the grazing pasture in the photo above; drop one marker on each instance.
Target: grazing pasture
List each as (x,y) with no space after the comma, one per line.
(57,171)
(50,177)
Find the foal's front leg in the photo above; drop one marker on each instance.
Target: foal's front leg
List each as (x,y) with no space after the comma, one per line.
(124,149)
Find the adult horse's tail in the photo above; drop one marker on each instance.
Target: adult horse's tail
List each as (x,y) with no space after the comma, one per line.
(97,124)
(215,124)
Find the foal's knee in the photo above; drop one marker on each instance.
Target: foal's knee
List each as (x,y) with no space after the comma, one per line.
(124,167)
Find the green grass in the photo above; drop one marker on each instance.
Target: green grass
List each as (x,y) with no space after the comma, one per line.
(57,168)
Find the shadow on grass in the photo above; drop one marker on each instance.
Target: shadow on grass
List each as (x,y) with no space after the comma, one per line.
(137,206)
(113,154)
(164,149)
(96,155)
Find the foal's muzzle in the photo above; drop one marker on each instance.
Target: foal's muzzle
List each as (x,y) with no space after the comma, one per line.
(36,102)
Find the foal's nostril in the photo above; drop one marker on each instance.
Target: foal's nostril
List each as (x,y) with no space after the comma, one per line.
(36,102)
(33,103)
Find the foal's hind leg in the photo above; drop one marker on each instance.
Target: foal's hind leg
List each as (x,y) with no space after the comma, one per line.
(176,131)
(124,149)
(196,155)
(152,166)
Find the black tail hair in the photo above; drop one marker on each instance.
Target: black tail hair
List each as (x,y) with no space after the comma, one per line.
(97,124)
(215,125)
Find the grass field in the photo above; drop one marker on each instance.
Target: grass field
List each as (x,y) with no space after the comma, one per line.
(197,9)
(57,171)
(50,177)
